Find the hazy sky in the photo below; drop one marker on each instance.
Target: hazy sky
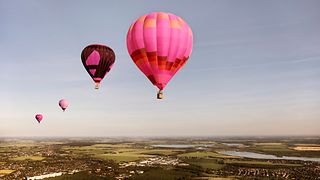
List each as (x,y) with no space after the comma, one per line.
(254,70)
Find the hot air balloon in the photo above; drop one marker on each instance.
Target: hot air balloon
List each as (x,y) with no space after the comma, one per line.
(39,117)
(97,60)
(159,44)
(63,104)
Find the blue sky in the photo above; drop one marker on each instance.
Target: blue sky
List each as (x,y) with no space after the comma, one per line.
(254,70)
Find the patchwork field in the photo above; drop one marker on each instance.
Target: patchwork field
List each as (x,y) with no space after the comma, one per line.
(119,152)
(6,171)
(33,158)
(206,163)
(168,159)
(122,157)
(270,147)
(307,148)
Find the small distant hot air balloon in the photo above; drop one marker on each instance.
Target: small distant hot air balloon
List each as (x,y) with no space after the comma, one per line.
(98,61)
(159,44)
(39,117)
(63,104)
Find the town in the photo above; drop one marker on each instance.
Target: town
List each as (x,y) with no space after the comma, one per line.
(147,158)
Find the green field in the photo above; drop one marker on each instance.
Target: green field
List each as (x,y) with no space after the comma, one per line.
(118,152)
(33,158)
(125,145)
(206,163)
(83,149)
(165,152)
(122,157)
(271,147)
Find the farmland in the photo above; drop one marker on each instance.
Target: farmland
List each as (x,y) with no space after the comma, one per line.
(32,158)
(126,158)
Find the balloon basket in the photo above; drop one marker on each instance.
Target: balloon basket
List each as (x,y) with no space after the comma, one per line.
(160,95)
(97,86)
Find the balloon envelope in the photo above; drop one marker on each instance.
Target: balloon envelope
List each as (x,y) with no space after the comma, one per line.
(63,104)
(159,44)
(39,117)
(98,61)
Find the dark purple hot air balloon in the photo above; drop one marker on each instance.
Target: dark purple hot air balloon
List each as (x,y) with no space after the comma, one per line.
(97,60)
(39,117)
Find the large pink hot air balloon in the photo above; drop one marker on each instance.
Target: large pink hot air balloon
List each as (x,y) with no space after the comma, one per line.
(39,117)
(159,44)
(63,104)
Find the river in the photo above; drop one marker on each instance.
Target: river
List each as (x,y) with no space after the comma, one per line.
(181,146)
(266,156)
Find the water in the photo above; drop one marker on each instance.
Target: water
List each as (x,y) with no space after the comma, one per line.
(181,146)
(267,156)
(234,144)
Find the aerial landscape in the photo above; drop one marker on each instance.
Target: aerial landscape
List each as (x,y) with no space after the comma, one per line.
(168,158)
(159,90)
